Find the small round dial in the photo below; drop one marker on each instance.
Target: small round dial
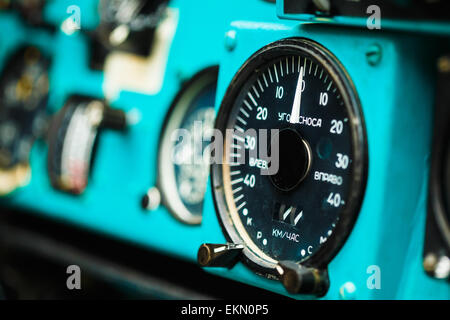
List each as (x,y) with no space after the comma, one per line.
(293,171)
(72,140)
(183,159)
(191,177)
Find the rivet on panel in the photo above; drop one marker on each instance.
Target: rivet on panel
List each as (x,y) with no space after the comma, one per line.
(373,54)
(230,40)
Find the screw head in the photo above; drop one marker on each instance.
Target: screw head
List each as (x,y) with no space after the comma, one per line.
(429,262)
(444,64)
(373,54)
(443,268)
(347,291)
(230,40)
(151,200)
(437,266)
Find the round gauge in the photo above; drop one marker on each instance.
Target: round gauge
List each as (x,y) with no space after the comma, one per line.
(72,139)
(292,177)
(183,160)
(24,89)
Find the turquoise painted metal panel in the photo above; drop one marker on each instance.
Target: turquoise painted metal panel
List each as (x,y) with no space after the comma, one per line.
(396,96)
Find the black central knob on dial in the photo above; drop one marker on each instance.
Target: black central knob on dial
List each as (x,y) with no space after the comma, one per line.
(294,158)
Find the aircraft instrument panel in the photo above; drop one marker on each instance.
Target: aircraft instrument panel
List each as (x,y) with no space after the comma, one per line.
(295,148)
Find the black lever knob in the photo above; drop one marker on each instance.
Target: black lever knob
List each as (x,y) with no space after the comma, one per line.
(304,280)
(115,119)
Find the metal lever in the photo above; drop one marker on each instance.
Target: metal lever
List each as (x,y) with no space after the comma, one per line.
(218,255)
(304,280)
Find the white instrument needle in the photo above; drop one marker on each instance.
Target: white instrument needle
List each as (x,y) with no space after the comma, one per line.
(295,113)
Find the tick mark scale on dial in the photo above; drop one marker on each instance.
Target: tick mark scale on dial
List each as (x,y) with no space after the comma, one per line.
(233,173)
(293,63)
(304,66)
(260,85)
(287,66)
(238,198)
(256,92)
(265,80)
(236,146)
(237,181)
(270,76)
(241,206)
(281,68)
(242,121)
(276,73)
(245,113)
(239,128)
(253,99)
(325,80)
(329,86)
(236,155)
(248,105)
(310,66)
(237,190)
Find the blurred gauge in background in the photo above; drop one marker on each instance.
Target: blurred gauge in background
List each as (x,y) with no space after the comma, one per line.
(24,88)
(183,164)
(72,140)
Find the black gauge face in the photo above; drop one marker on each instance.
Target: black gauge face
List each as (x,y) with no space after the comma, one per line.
(302,208)
(72,137)
(183,161)
(24,89)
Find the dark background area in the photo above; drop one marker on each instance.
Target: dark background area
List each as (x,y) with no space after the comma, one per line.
(35,253)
